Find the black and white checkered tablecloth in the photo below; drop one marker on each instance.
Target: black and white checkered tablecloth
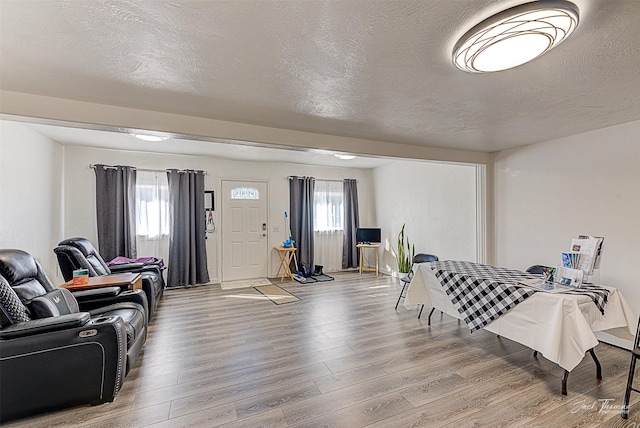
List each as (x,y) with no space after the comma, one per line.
(482,293)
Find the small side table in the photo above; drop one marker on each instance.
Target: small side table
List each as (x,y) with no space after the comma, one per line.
(132,280)
(285,255)
(362,247)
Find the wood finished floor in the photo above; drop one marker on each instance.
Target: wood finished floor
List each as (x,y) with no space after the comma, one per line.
(341,357)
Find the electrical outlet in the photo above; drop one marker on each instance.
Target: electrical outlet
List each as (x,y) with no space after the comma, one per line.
(276,229)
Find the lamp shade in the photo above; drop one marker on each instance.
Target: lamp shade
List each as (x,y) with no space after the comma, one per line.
(515,36)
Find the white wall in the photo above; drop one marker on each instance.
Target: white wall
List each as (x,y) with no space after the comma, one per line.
(436,201)
(80,189)
(548,193)
(31,191)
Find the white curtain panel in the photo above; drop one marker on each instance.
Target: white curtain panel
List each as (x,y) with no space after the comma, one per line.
(328,250)
(152,215)
(328,200)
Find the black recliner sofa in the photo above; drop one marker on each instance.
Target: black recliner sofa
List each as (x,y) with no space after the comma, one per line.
(79,253)
(53,355)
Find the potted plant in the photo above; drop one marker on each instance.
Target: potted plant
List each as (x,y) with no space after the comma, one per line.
(406,251)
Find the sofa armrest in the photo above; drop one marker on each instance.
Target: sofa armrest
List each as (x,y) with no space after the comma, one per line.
(61,368)
(134,296)
(126,267)
(96,293)
(45,325)
(151,269)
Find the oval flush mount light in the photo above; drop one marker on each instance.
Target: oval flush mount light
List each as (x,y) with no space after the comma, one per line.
(515,36)
(345,157)
(154,138)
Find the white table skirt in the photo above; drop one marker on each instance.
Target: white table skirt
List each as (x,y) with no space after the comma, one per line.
(559,326)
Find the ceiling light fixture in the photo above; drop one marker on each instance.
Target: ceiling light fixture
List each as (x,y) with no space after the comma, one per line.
(154,138)
(515,36)
(345,157)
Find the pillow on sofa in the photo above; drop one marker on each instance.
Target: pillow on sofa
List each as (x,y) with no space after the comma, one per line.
(11,308)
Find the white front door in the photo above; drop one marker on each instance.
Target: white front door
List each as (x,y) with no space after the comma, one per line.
(245,251)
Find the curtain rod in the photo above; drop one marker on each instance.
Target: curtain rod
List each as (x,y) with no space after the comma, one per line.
(142,169)
(291,177)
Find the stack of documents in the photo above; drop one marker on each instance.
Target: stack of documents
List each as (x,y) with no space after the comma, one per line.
(539,284)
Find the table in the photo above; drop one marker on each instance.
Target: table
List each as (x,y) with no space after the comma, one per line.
(362,247)
(559,326)
(285,254)
(132,281)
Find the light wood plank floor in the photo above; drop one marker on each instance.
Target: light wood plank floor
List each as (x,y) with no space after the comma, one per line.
(341,357)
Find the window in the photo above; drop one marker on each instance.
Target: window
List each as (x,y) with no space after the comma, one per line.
(245,193)
(328,199)
(152,205)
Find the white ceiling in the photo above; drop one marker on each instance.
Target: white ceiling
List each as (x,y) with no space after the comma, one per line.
(71,136)
(374,70)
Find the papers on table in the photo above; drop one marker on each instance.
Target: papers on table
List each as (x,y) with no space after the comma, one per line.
(571,259)
(568,277)
(539,284)
(599,245)
(590,249)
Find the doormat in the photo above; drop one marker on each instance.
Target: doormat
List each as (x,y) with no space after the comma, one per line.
(276,294)
(245,283)
(313,278)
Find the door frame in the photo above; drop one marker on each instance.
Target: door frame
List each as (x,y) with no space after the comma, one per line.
(222,230)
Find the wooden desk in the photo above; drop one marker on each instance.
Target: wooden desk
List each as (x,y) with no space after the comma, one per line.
(362,247)
(285,255)
(132,281)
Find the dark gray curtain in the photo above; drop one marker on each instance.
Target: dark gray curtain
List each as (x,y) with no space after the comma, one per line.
(301,221)
(187,249)
(115,211)
(351,223)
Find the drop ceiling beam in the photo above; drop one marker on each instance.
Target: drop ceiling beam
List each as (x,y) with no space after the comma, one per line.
(43,109)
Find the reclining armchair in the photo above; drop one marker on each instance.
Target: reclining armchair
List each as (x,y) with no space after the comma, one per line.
(52,355)
(79,253)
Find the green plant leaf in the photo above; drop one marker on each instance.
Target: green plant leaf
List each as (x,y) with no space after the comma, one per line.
(405,252)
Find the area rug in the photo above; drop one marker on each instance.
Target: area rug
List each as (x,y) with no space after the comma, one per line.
(276,294)
(313,278)
(304,280)
(245,283)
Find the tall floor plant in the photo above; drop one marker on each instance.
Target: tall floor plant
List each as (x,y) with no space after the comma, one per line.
(406,251)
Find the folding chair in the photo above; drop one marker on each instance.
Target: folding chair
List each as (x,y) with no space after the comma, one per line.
(418,258)
(635,354)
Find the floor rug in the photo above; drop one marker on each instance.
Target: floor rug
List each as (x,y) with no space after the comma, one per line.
(276,294)
(313,278)
(322,277)
(304,280)
(245,283)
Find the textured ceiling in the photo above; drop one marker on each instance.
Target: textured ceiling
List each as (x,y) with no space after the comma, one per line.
(374,70)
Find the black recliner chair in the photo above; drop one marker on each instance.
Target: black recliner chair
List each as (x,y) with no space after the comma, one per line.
(79,253)
(52,355)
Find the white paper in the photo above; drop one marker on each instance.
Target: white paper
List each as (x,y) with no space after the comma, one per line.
(599,245)
(568,277)
(587,249)
(540,285)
